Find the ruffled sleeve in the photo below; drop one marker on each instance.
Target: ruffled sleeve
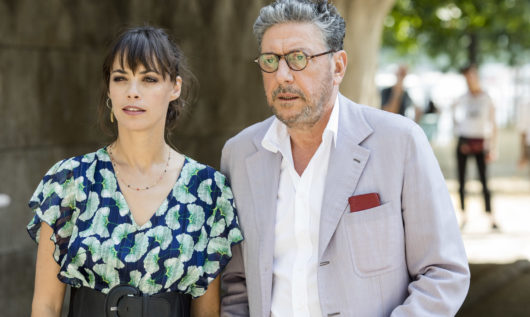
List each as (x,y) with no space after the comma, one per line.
(55,202)
(222,226)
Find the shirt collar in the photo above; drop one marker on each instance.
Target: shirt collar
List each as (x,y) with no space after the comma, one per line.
(277,135)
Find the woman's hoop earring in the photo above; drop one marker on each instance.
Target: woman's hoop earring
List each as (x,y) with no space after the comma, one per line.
(110,108)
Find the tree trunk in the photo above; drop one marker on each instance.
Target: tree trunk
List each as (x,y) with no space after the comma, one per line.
(364,25)
(472,49)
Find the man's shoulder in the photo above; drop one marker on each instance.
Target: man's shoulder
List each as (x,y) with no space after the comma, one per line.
(380,121)
(250,133)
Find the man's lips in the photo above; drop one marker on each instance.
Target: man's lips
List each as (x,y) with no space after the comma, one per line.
(287,97)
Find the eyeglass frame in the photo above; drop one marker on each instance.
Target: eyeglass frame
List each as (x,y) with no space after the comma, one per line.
(308,58)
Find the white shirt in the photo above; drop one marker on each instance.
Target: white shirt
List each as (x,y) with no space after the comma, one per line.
(473,115)
(299,202)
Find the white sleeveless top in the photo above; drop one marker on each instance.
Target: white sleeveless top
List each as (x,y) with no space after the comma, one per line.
(472,115)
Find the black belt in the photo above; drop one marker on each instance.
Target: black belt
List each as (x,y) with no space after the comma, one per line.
(127,301)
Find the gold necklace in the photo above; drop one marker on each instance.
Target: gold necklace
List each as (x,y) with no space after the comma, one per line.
(135,187)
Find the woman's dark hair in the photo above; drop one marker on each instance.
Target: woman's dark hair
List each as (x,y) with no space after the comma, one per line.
(154,49)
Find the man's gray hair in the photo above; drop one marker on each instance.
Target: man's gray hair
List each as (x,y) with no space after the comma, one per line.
(321,13)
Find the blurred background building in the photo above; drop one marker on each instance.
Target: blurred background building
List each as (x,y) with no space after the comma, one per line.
(50,83)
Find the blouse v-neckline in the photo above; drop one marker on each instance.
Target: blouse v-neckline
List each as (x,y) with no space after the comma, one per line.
(163,203)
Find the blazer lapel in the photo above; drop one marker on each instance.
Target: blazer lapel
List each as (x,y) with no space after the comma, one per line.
(346,164)
(263,168)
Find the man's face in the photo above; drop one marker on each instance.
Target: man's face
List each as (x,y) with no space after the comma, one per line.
(298,98)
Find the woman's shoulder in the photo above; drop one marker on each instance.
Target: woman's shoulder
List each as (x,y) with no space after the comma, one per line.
(75,166)
(205,180)
(203,171)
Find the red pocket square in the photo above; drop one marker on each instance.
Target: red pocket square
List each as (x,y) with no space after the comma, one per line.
(362,202)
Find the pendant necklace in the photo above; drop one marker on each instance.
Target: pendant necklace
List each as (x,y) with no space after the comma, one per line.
(136,187)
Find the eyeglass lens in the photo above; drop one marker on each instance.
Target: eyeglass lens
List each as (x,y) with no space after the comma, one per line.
(270,62)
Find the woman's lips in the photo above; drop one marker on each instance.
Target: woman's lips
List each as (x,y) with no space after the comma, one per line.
(133,110)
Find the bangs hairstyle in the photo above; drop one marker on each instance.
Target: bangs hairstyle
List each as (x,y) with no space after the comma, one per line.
(152,48)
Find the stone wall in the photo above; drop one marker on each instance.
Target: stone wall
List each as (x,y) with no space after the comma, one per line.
(50,64)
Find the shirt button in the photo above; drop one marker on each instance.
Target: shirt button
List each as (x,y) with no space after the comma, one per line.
(324,263)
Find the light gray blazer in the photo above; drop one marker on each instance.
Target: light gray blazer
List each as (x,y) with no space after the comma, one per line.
(403,258)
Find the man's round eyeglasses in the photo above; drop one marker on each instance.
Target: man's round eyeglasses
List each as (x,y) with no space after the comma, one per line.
(297,60)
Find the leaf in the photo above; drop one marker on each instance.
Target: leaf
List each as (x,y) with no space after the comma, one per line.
(196,218)
(174,270)
(108,274)
(226,208)
(203,241)
(162,235)
(218,228)
(92,205)
(109,183)
(94,247)
(109,255)
(191,277)
(139,248)
(205,191)
(151,261)
(220,246)
(186,245)
(211,267)
(148,285)
(182,194)
(235,235)
(173,218)
(121,232)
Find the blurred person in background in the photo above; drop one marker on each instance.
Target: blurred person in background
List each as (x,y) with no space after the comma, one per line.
(475,127)
(395,99)
(523,126)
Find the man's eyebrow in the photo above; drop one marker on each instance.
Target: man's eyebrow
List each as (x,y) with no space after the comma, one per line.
(289,52)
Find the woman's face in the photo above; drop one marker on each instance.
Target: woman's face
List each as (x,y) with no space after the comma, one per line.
(140,99)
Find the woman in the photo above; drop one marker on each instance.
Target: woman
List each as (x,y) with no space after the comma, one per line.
(474,120)
(136,228)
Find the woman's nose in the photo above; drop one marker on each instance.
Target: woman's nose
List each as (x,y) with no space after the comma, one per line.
(133,92)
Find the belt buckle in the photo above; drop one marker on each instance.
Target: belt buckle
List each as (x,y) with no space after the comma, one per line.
(115,295)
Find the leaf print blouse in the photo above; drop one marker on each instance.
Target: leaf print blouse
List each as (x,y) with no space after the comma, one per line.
(183,247)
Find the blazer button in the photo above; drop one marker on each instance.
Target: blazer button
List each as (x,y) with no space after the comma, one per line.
(334,314)
(324,263)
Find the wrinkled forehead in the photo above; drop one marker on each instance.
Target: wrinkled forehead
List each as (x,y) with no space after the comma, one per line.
(286,37)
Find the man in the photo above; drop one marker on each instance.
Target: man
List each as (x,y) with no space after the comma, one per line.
(395,99)
(315,245)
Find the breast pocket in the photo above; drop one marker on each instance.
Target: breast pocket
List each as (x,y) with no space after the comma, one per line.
(375,238)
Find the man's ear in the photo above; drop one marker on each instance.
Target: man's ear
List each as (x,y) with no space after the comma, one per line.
(340,62)
(176,88)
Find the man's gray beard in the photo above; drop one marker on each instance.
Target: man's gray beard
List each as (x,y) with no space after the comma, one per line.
(309,115)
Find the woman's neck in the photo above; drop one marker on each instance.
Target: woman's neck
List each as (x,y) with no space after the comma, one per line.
(140,150)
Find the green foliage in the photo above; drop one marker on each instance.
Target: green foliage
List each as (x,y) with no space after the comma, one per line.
(461,31)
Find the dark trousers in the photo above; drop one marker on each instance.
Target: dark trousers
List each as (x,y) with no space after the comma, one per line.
(480,158)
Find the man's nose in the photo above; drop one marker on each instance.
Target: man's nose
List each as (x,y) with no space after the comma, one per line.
(284,73)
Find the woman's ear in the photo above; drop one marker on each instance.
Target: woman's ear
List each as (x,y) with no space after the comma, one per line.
(176,88)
